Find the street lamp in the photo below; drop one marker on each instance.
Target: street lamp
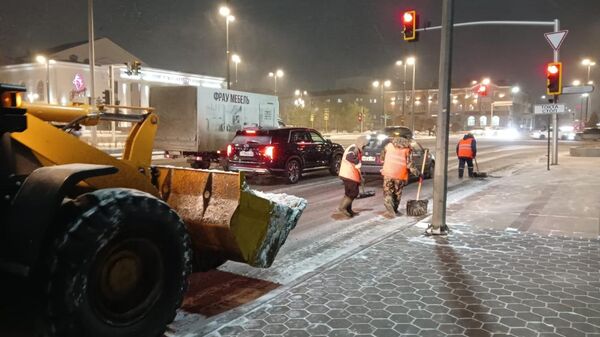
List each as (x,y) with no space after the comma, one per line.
(275,75)
(576,82)
(41,59)
(226,13)
(589,64)
(411,61)
(236,60)
(382,85)
(515,90)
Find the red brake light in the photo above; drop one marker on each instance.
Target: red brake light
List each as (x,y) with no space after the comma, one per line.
(250,132)
(269,152)
(229,150)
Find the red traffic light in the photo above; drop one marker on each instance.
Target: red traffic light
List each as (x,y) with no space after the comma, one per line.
(482,90)
(409,25)
(554,78)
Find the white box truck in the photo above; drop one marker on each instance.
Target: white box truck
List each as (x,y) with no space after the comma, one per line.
(198,122)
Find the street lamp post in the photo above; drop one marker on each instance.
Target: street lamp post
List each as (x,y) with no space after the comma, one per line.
(41,59)
(382,85)
(589,64)
(412,62)
(226,12)
(236,60)
(278,73)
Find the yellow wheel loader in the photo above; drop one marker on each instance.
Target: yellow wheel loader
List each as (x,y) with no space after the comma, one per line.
(110,242)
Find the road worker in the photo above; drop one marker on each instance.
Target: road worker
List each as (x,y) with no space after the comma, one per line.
(350,175)
(466,150)
(397,163)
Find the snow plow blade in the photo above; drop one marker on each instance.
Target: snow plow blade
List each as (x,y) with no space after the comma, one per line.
(227,218)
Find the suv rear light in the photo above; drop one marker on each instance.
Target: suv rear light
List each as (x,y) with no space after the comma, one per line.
(269,152)
(250,132)
(229,150)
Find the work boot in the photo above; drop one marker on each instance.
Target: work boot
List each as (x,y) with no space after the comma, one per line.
(470,172)
(460,173)
(389,206)
(344,206)
(350,209)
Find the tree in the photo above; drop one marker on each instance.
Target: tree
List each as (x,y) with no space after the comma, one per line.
(347,116)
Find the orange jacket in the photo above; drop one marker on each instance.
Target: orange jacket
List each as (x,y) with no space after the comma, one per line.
(395,164)
(349,170)
(465,148)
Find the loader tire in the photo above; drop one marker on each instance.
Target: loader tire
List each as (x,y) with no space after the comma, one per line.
(205,261)
(120,269)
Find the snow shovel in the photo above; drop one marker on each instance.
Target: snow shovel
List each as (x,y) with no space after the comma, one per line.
(364,194)
(418,207)
(478,174)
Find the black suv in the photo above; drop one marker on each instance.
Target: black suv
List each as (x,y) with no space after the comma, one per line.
(286,152)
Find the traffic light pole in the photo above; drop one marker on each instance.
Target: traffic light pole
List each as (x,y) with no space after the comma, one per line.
(440,181)
(555,116)
(438,222)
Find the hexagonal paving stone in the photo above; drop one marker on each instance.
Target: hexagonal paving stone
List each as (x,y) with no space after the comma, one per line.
(273,329)
(512,322)
(296,333)
(318,318)
(271,319)
(296,323)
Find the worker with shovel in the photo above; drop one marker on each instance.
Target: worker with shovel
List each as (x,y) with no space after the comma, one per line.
(397,162)
(350,175)
(466,150)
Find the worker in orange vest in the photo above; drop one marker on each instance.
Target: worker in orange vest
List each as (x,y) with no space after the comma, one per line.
(466,150)
(397,163)
(350,175)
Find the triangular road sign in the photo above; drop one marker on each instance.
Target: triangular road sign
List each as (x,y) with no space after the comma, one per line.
(555,39)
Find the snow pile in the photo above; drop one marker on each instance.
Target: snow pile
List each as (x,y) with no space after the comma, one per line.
(285,214)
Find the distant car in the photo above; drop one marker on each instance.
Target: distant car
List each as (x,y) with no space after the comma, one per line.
(588,134)
(371,160)
(563,133)
(477,132)
(286,152)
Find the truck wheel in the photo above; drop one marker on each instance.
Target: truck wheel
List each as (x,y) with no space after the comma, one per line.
(293,171)
(336,161)
(120,269)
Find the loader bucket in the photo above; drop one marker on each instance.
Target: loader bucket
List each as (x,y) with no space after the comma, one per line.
(225,217)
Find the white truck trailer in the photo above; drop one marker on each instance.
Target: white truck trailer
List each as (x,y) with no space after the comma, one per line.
(198,122)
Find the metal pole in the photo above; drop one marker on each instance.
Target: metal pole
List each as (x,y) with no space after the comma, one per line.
(236,78)
(404,91)
(111,88)
(383,106)
(92,57)
(555,116)
(412,95)
(492,23)
(227,47)
(548,135)
(440,182)
(47,81)
(275,77)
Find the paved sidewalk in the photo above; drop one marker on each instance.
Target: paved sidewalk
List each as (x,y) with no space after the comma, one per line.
(496,274)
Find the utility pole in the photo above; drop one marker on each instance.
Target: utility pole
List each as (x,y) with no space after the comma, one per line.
(412,95)
(440,181)
(92,60)
(555,116)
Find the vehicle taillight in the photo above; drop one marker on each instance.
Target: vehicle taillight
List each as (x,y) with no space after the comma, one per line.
(229,150)
(270,152)
(250,132)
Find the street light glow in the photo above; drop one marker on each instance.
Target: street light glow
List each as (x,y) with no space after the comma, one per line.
(486,81)
(224,11)
(279,73)
(399,62)
(40,59)
(230,18)
(410,61)
(387,83)
(375,84)
(297,92)
(576,82)
(235,58)
(515,89)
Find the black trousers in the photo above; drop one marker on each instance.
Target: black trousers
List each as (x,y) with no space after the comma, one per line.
(461,166)
(350,188)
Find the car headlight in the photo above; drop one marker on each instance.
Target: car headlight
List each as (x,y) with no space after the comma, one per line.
(382,137)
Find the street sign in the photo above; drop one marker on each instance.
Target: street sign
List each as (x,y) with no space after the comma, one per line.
(545,109)
(555,39)
(580,89)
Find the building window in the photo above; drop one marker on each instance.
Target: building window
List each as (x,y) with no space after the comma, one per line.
(495,121)
(482,121)
(471,121)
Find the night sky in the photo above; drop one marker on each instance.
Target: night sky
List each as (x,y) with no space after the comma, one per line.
(315,41)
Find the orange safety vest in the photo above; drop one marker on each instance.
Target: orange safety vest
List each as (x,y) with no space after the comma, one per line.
(464,148)
(395,164)
(347,169)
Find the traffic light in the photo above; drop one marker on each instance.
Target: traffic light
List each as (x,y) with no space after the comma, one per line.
(482,90)
(409,25)
(554,78)
(360,117)
(106,96)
